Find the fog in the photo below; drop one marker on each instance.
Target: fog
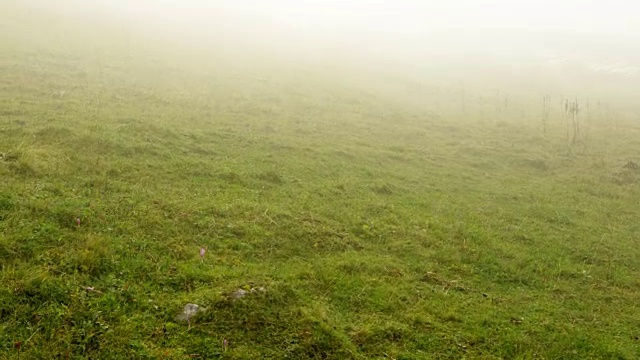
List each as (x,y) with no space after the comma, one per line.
(397,17)
(573,48)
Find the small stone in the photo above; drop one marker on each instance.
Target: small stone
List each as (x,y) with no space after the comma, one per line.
(238,294)
(188,312)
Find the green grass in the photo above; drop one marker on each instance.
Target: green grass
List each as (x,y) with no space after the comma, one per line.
(379,228)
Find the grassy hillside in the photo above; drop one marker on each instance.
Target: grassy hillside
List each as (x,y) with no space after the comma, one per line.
(379,225)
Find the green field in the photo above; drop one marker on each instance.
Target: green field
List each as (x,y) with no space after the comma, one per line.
(383,220)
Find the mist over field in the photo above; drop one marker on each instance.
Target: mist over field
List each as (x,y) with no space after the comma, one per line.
(319,179)
(588,49)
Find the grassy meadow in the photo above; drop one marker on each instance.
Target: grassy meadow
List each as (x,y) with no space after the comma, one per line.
(383,220)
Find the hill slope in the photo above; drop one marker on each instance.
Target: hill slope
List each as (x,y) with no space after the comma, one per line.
(377,228)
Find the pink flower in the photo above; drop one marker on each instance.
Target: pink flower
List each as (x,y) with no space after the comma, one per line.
(202,251)
(78,221)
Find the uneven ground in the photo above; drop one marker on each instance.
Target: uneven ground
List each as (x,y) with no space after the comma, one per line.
(379,229)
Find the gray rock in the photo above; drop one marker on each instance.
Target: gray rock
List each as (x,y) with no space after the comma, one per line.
(238,294)
(188,312)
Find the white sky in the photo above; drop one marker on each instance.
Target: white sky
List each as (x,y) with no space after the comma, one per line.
(415,16)
(395,29)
